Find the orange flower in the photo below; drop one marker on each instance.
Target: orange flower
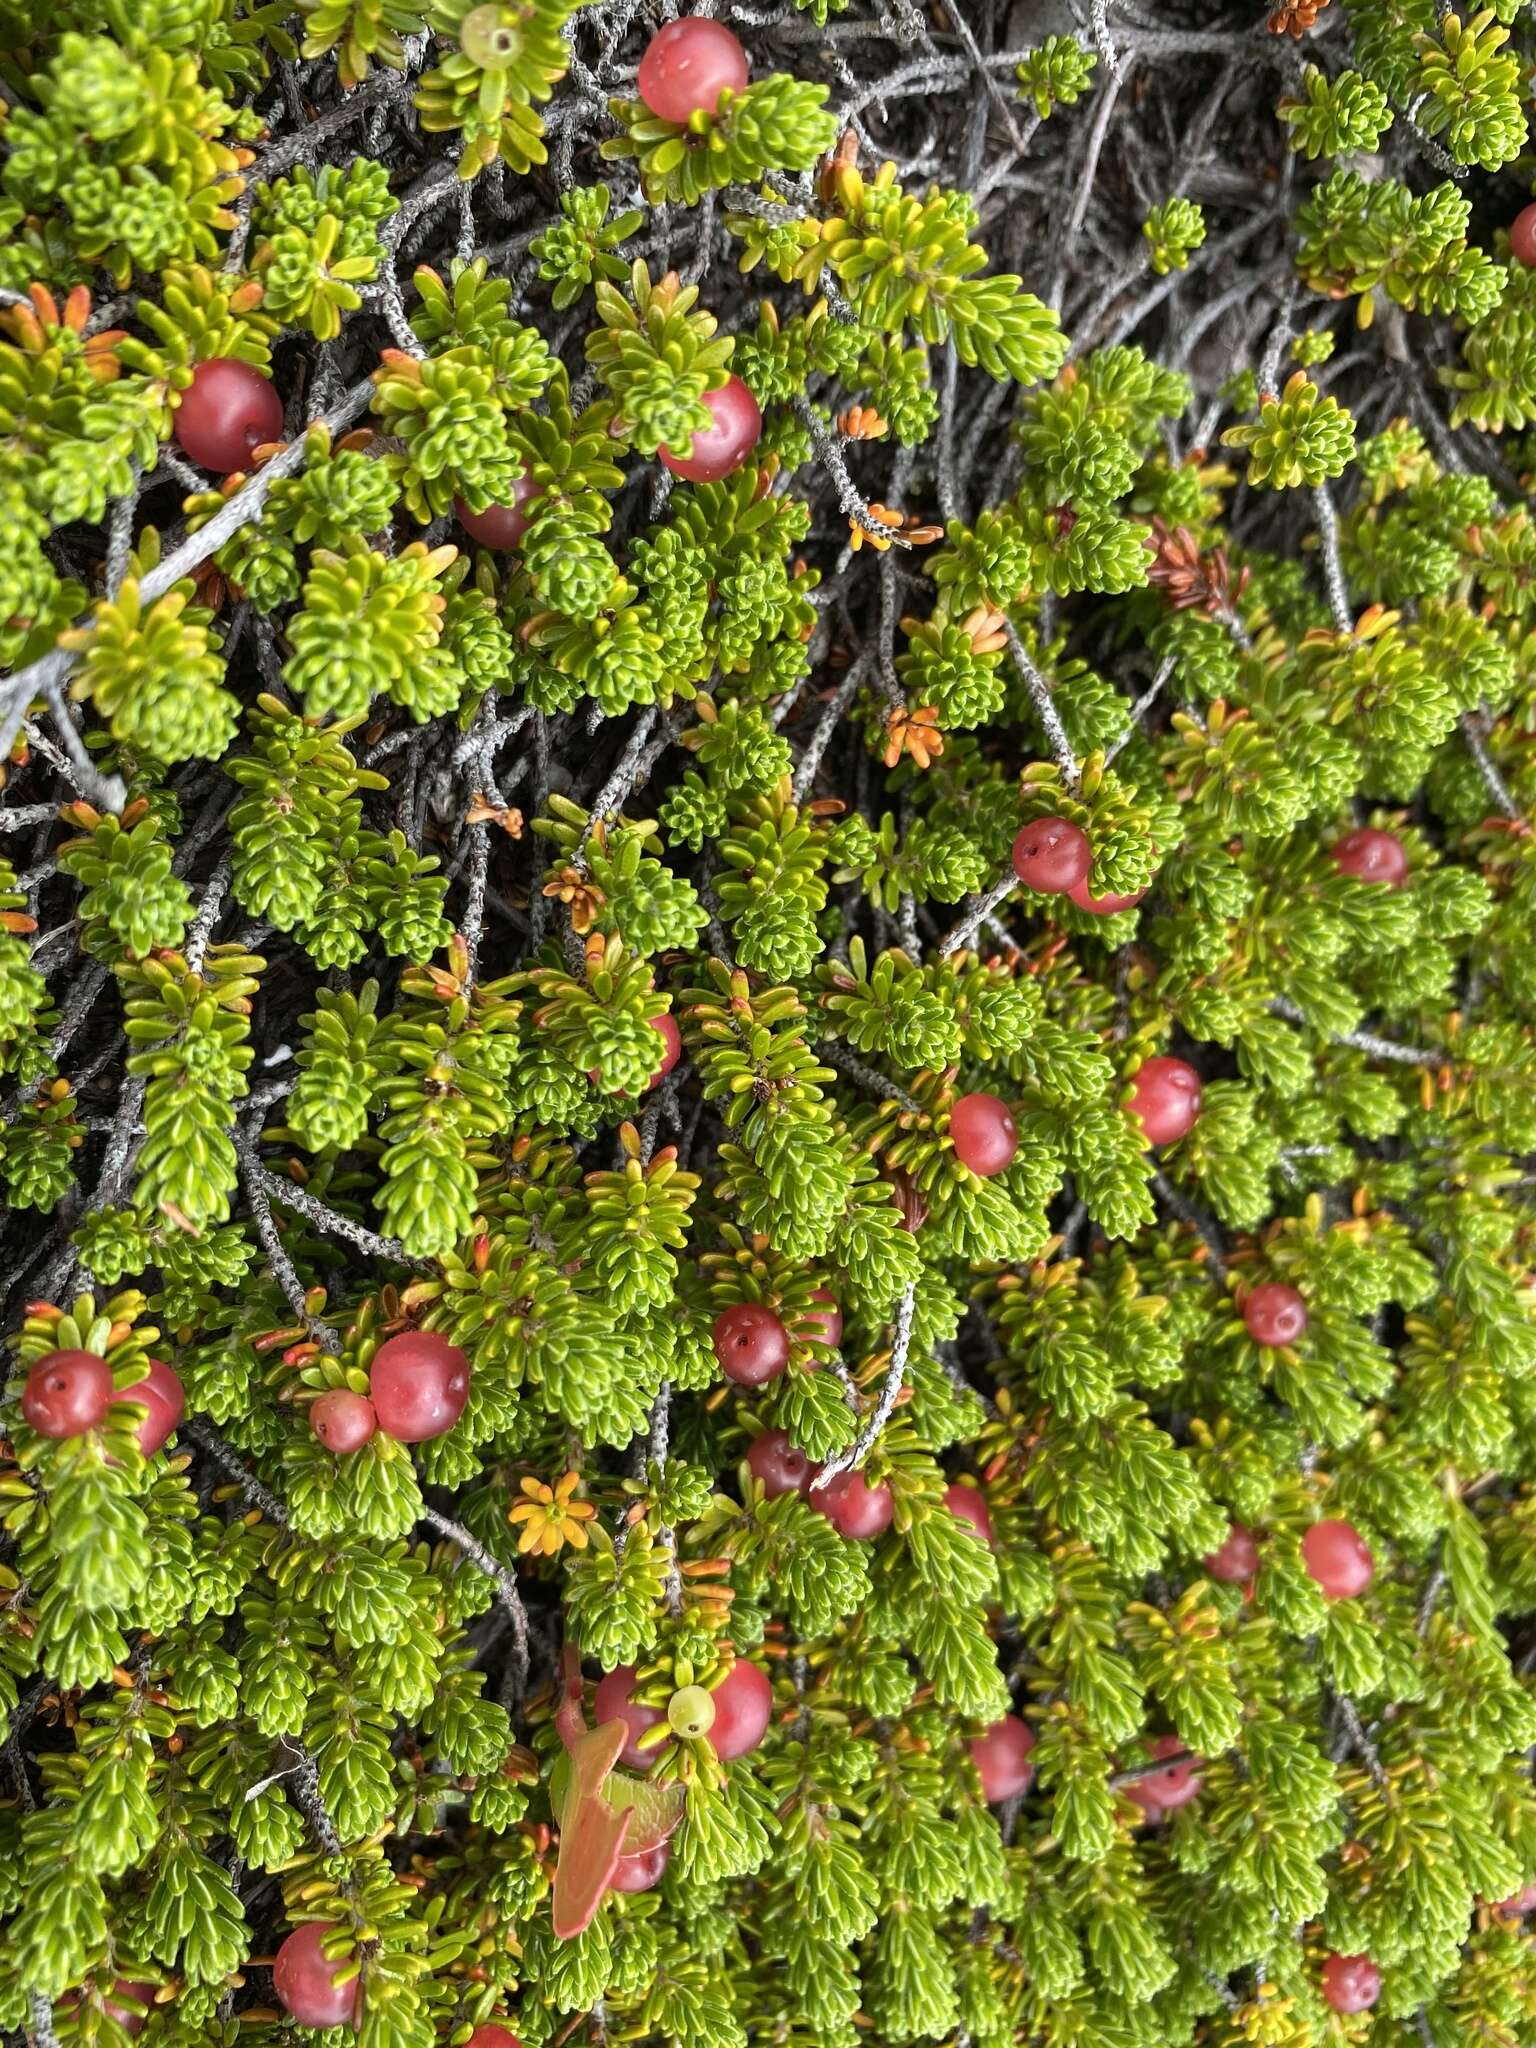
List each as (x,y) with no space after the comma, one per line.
(861,423)
(550,1517)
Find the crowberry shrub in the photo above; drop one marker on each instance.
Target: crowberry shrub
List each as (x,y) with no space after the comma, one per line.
(767,1024)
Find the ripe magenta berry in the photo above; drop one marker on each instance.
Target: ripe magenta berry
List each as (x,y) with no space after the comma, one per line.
(735,429)
(1351,1983)
(970,1505)
(1338,1557)
(1274,1314)
(613,1703)
(824,1324)
(1522,1900)
(1372,856)
(1522,236)
(1102,906)
(672,1039)
(983,1133)
(1165,1098)
(500,527)
(1165,1791)
(227,411)
(419,1383)
(743,1703)
(166,1399)
(303,1979)
(751,1344)
(775,1461)
(67,1393)
(686,67)
(1052,855)
(1001,1754)
(342,1420)
(637,1873)
(853,1507)
(1238,1558)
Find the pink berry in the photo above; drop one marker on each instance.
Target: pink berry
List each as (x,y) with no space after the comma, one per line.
(1337,1556)
(493,2036)
(226,413)
(1522,1900)
(751,1344)
(1164,1792)
(970,1505)
(142,1994)
(166,1399)
(1052,855)
(775,1461)
(303,1979)
(824,1324)
(1372,856)
(743,1703)
(499,527)
(854,1508)
(67,1393)
(613,1703)
(419,1383)
(1274,1314)
(638,1873)
(672,1039)
(1001,1755)
(1351,1983)
(342,1420)
(735,429)
(1165,1098)
(1238,1558)
(1102,906)
(686,67)
(983,1133)
(1522,237)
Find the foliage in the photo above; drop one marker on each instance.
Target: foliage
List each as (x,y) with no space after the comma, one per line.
(550,943)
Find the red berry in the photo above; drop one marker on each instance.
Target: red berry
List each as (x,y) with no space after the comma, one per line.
(1165,1096)
(743,1702)
(342,1420)
(1337,1556)
(1274,1314)
(1164,1792)
(613,1703)
(166,1399)
(672,1039)
(419,1383)
(1522,236)
(1351,1983)
(1237,1559)
(853,1507)
(303,1980)
(1052,855)
(824,1324)
(227,411)
(970,1505)
(778,1464)
(1522,1900)
(983,1134)
(1372,856)
(67,1393)
(1102,906)
(735,429)
(637,1873)
(1001,1755)
(499,527)
(686,67)
(751,1344)
(142,1994)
